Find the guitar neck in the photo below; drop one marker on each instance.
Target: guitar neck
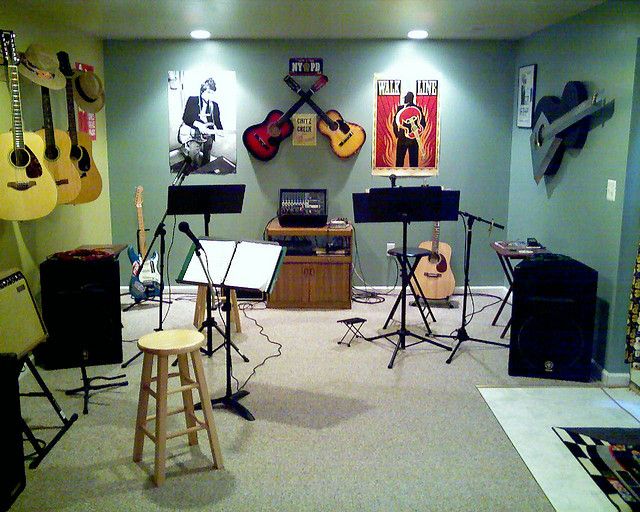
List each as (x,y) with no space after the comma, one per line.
(287,115)
(49,136)
(584,109)
(142,236)
(71,113)
(435,237)
(323,115)
(14,86)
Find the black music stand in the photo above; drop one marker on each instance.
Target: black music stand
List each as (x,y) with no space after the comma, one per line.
(205,200)
(406,205)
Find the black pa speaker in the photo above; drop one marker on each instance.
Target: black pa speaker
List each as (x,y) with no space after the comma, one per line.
(12,484)
(81,309)
(552,321)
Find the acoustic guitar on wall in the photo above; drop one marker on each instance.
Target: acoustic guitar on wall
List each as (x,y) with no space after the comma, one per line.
(345,138)
(27,187)
(81,145)
(57,154)
(433,273)
(145,279)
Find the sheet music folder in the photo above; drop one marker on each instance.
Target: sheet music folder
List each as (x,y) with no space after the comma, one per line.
(240,265)
(397,204)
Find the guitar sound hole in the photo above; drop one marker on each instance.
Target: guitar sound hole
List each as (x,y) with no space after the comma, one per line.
(434,258)
(20,157)
(273,130)
(76,152)
(51,153)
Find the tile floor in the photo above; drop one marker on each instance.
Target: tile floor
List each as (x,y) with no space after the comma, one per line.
(527,415)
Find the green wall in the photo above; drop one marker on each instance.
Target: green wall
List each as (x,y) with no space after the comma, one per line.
(25,244)
(569,212)
(476,87)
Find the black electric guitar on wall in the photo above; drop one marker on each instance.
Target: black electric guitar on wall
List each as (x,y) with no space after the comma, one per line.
(263,140)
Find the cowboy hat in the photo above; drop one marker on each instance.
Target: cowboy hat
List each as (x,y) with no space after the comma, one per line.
(88,91)
(41,67)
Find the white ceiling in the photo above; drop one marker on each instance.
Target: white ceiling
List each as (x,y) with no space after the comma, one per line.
(304,19)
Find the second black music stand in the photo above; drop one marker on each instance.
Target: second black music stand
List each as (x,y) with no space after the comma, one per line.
(206,200)
(406,205)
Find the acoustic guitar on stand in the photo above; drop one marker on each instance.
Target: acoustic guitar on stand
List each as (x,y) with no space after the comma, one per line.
(57,154)
(145,279)
(433,273)
(263,140)
(27,187)
(345,138)
(81,145)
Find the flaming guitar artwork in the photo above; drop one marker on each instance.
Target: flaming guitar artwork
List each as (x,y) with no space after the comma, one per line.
(406,127)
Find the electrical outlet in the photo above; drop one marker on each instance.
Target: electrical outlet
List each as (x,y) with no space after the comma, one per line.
(390,245)
(611,190)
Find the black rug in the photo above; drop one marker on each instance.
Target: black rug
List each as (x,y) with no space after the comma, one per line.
(611,456)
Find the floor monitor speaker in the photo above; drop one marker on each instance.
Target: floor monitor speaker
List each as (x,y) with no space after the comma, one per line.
(553,313)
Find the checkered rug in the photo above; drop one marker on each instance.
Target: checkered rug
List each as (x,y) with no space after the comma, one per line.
(611,456)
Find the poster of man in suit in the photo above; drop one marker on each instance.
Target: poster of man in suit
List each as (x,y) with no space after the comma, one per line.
(406,134)
(202,121)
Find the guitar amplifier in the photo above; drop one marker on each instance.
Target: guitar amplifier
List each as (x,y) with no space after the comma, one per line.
(302,207)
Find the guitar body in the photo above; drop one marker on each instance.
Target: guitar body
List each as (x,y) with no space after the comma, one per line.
(90,179)
(144,283)
(65,174)
(347,139)
(263,140)
(434,274)
(26,191)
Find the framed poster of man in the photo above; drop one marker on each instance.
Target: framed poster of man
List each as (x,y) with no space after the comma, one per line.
(202,121)
(406,127)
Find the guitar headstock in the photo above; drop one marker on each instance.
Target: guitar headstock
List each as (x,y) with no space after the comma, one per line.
(65,64)
(9,53)
(320,83)
(293,85)
(138,197)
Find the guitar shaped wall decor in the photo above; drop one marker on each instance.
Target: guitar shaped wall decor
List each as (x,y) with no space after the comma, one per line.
(408,119)
(81,145)
(145,279)
(27,188)
(434,273)
(263,140)
(345,138)
(560,123)
(57,154)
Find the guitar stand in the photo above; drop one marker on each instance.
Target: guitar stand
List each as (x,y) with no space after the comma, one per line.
(461,334)
(87,385)
(40,449)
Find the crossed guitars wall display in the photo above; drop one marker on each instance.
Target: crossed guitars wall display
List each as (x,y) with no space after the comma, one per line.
(49,167)
(263,140)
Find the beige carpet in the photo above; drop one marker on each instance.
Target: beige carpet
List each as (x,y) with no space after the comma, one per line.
(335,429)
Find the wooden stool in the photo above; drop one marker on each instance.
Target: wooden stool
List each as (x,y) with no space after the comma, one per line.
(163,344)
(201,308)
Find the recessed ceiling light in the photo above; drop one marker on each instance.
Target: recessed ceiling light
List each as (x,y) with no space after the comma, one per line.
(417,34)
(200,34)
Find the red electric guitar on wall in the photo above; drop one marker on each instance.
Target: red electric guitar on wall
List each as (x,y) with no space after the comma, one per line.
(263,140)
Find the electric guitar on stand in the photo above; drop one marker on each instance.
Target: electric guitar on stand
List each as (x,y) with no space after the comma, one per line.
(434,273)
(263,140)
(27,188)
(345,138)
(145,279)
(90,179)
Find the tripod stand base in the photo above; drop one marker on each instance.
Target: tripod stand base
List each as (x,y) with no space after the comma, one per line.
(462,336)
(209,353)
(87,387)
(232,403)
(401,343)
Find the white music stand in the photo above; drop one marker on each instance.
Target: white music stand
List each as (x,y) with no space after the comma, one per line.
(245,265)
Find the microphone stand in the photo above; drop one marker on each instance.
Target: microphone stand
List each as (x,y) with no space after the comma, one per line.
(161,232)
(461,333)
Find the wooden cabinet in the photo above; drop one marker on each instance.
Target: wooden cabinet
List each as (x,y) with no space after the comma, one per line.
(320,281)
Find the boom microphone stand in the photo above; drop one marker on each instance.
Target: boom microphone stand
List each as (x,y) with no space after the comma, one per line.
(461,333)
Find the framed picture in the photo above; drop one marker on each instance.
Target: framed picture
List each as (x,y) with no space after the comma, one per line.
(526,95)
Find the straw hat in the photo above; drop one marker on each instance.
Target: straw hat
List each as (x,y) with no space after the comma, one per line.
(88,91)
(41,67)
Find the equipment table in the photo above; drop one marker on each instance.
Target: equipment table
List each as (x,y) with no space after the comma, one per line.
(505,255)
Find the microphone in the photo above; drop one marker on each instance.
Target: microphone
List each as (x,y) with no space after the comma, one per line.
(184,227)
